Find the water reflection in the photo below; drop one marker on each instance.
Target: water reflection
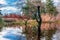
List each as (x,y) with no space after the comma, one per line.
(49,30)
(11,33)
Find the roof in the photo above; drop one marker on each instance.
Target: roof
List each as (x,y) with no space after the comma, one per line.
(15,16)
(12,16)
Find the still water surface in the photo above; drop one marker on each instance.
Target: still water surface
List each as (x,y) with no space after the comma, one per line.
(11,33)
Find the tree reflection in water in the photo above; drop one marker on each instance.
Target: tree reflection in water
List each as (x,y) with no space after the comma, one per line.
(47,31)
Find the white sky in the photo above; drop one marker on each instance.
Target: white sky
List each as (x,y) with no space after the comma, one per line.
(2,2)
(9,8)
(54,0)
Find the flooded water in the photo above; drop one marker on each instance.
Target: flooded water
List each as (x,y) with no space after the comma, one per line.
(47,26)
(11,33)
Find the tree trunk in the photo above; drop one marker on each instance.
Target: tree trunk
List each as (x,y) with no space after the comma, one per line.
(39,20)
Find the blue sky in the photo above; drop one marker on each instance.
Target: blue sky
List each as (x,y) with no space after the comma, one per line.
(10,6)
(13,6)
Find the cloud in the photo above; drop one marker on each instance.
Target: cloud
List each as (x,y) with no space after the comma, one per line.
(11,6)
(3,2)
(9,10)
(56,1)
(43,0)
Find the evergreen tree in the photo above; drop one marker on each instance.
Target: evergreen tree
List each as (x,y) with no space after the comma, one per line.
(50,8)
(1,21)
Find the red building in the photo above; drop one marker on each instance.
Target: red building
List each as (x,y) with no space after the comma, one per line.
(14,18)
